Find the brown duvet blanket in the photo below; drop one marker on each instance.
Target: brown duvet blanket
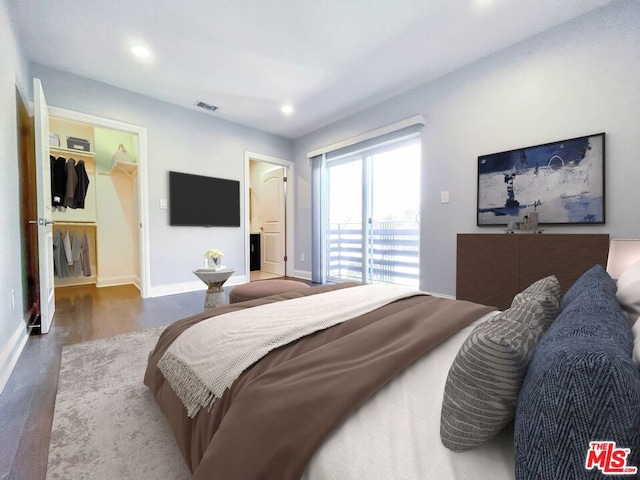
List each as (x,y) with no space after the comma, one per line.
(268,425)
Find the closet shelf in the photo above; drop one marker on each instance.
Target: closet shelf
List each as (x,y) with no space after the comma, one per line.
(72,151)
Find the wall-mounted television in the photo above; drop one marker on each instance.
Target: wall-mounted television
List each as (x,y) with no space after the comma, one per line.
(196,200)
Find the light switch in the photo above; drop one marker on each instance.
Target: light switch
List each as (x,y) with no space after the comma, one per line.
(163,204)
(444,196)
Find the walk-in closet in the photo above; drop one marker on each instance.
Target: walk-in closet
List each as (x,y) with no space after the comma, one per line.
(95,231)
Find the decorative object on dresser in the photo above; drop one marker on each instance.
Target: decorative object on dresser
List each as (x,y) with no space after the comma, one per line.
(492,268)
(561,182)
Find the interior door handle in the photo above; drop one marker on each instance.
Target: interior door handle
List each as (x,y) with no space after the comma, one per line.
(41,221)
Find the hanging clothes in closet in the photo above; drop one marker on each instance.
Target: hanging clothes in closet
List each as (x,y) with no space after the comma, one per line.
(83,185)
(71,256)
(69,183)
(86,261)
(60,264)
(72,183)
(58,181)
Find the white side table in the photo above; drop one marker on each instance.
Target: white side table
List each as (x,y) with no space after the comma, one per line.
(214,280)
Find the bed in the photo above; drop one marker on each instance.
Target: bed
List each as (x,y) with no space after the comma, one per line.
(367,398)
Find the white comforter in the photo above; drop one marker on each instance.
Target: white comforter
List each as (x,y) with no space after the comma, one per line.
(396,435)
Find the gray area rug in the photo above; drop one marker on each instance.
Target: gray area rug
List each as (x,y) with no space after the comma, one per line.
(106,424)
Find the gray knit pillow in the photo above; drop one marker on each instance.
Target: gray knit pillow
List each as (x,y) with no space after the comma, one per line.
(548,303)
(548,285)
(481,391)
(547,292)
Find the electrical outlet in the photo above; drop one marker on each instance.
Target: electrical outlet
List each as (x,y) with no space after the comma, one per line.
(302,257)
(444,196)
(163,204)
(13,299)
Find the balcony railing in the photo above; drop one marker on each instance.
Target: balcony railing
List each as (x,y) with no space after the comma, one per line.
(394,252)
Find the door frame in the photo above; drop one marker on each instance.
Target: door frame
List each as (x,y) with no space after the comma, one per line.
(366,159)
(143,206)
(289,209)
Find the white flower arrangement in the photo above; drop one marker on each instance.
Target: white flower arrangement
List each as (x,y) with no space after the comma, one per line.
(213,253)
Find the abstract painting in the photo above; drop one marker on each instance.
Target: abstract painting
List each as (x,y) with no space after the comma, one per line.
(562,181)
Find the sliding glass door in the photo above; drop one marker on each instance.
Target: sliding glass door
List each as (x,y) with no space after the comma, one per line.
(344,230)
(372,225)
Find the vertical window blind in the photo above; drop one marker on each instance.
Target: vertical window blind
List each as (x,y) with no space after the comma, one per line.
(365,210)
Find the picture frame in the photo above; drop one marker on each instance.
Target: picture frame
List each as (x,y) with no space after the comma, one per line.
(562,181)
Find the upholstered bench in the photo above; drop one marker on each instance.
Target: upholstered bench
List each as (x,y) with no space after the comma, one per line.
(263,288)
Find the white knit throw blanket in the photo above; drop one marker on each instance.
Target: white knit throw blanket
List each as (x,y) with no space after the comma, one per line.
(207,357)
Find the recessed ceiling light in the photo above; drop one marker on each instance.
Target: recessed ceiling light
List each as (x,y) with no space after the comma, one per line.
(287,109)
(140,51)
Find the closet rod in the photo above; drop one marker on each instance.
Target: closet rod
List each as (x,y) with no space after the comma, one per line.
(75,224)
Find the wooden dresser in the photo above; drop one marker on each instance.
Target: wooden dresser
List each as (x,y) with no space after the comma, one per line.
(492,268)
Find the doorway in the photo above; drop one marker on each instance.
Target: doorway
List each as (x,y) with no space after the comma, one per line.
(269,216)
(121,190)
(52,200)
(372,221)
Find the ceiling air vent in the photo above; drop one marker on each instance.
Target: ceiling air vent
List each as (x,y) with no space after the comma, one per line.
(206,106)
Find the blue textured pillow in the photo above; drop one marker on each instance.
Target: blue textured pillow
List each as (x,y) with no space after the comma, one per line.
(581,386)
(594,278)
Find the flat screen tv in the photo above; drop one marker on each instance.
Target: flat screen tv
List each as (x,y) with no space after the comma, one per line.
(195,200)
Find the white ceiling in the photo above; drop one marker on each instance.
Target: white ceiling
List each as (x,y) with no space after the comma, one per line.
(328,58)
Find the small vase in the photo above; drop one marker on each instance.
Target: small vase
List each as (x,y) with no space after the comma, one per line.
(533,221)
(213,262)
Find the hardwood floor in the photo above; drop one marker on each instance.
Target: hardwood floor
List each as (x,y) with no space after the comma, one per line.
(257,275)
(82,313)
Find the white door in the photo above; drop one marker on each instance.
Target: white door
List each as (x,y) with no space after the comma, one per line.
(44,221)
(273,221)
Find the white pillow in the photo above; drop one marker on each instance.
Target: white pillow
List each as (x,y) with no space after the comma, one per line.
(628,294)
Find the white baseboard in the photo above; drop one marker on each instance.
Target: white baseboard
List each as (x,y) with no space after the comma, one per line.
(11,352)
(74,281)
(236,280)
(303,274)
(116,280)
(185,287)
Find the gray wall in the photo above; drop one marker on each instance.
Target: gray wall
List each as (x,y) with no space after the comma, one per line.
(576,79)
(178,139)
(13,72)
